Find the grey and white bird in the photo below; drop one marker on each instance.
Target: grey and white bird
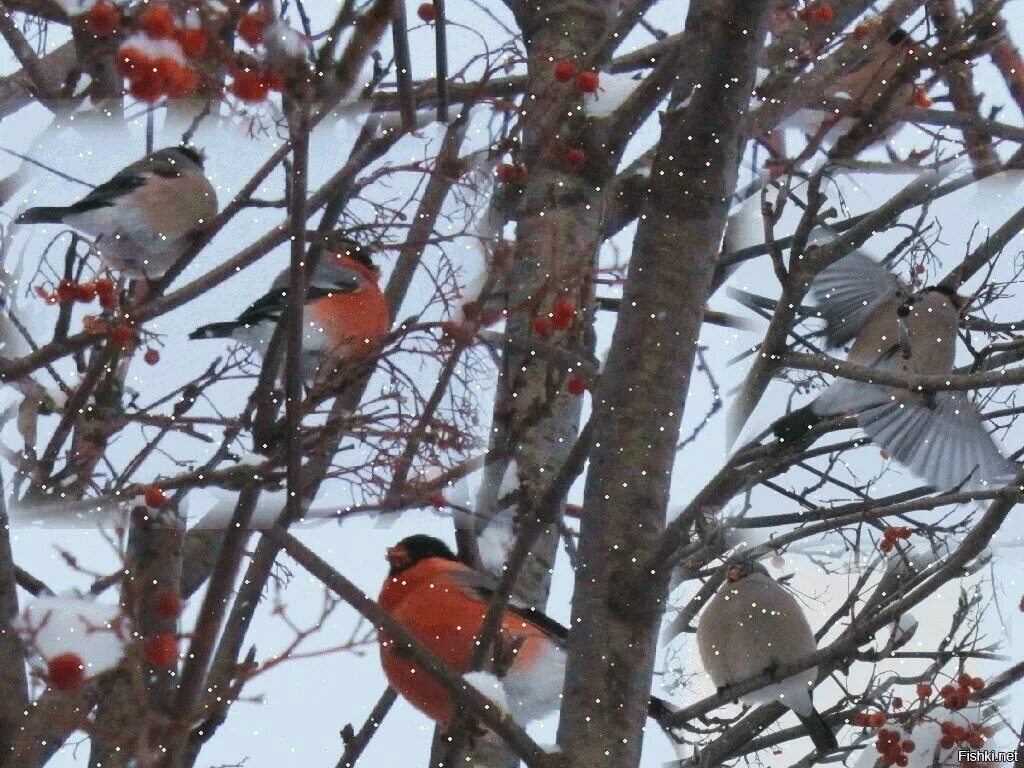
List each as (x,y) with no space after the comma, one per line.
(752,625)
(145,216)
(939,436)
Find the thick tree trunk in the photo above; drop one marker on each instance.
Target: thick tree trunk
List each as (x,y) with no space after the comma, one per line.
(640,398)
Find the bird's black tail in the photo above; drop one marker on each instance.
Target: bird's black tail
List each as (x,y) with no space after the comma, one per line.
(215,331)
(794,426)
(820,732)
(42,215)
(660,711)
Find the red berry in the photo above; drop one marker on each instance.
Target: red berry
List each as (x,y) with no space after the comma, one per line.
(903,532)
(157,22)
(897,703)
(427,12)
(564,312)
(155,497)
(121,335)
(65,672)
(890,533)
(131,60)
(975,740)
(251,27)
(977,683)
(987,730)
(437,499)
(161,649)
(946,691)
(923,690)
(541,326)
(921,98)
(861,719)
(505,172)
(182,82)
(908,746)
(823,13)
(85,292)
(152,356)
(167,604)
(565,71)
(963,680)
(103,18)
(575,158)
(194,42)
(576,386)
(886,545)
(146,85)
(876,719)
(249,86)
(946,742)
(588,82)
(66,291)
(902,760)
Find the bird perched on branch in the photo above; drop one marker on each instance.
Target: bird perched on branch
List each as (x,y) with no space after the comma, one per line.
(345,316)
(145,216)
(443,603)
(939,436)
(753,625)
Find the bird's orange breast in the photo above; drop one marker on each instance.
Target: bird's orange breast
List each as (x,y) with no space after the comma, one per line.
(353,322)
(438,611)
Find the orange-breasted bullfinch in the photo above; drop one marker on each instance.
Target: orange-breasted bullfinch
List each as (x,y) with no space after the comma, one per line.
(939,436)
(751,625)
(443,603)
(144,217)
(345,316)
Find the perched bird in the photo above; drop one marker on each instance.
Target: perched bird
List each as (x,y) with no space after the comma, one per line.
(144,217)
(865,84)
(752,625)
(345,316)
(443,603)
(939,436)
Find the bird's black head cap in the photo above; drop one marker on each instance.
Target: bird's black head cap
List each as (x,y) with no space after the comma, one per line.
(413,549)
(192,153)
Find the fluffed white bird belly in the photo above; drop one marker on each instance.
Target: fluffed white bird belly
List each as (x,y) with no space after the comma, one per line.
(537,691)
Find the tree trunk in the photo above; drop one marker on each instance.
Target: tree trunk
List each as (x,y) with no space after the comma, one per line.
(640,398)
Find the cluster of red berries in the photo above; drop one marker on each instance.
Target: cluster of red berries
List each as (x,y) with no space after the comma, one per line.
(511,172)
(561,318)
(565,72)
(956,696)
(253,85)
(891,535)
(427,12)
(819,13)
(120,334)
(150,78)
(893,748)
(69,292)
(869,719)
(252,27)
(973,735)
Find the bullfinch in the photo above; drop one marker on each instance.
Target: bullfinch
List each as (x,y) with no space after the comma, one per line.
(751,625)
(939,436)
(443,603)
(345,315)
(144,217)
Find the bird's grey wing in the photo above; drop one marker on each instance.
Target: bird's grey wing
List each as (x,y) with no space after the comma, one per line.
(482,587)
(848,291)
(942,440)
(107,193)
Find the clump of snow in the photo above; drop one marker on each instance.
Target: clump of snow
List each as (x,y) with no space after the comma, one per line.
(51,625)
(155,49)
(612,92)
(490,686)
(284,41)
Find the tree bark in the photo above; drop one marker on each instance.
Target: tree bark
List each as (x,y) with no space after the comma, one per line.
(640,398)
